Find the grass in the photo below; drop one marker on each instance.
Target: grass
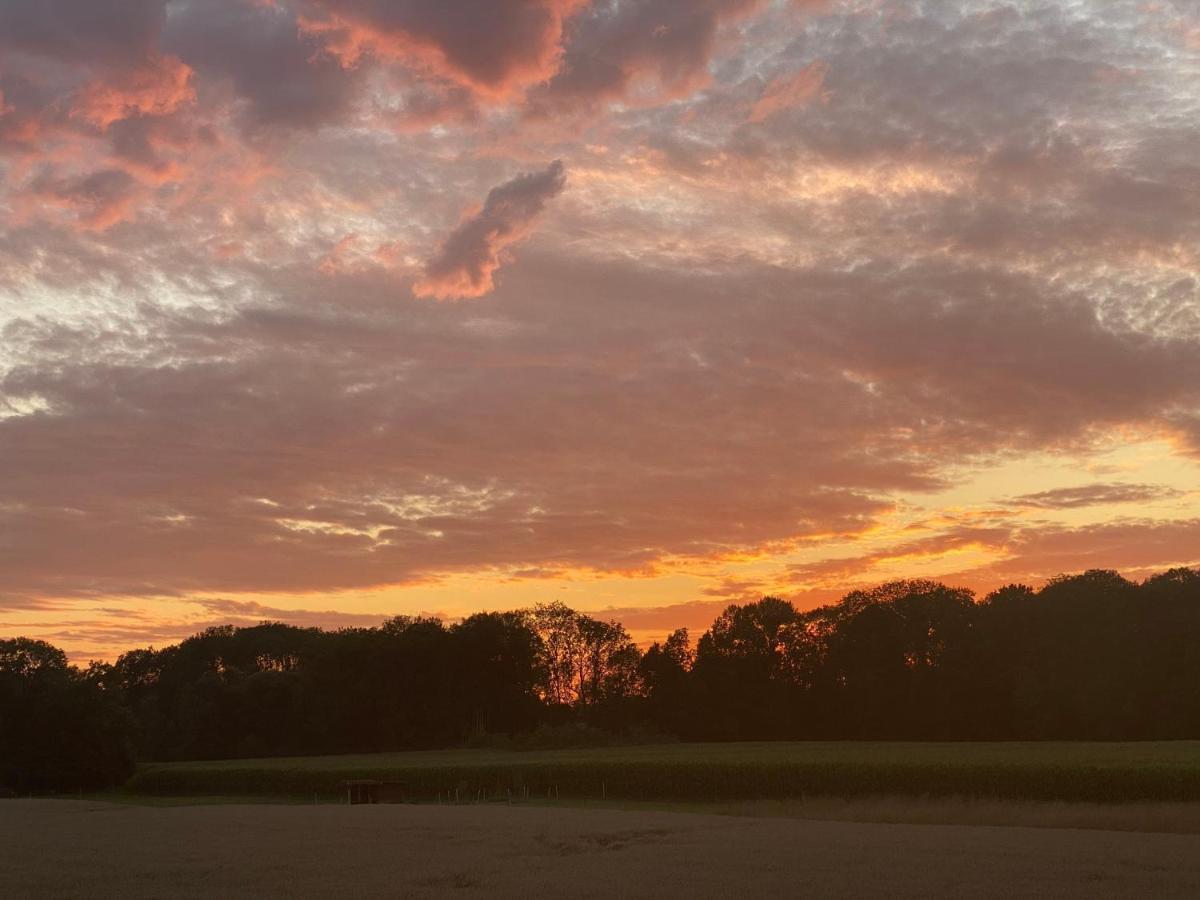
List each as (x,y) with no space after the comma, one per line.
(1067,772)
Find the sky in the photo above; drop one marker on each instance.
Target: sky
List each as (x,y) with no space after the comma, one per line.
(322,311)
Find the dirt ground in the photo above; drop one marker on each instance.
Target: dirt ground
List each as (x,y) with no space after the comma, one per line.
(68,848)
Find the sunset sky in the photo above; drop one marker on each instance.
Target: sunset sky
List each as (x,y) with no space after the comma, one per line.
(327,310)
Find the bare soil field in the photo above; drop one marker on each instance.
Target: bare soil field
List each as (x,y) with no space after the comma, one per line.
(69,848)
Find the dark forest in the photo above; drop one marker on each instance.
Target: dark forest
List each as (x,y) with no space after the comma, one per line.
(1087,657)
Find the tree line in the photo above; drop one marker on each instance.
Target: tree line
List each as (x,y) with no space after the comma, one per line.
(1087,657)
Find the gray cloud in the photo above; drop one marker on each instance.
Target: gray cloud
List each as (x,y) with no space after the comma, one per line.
(261,51)
(81,31)
(1096,495)
(667,43)
(467,260)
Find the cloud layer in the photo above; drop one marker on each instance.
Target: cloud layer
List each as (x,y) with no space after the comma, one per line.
(836,291)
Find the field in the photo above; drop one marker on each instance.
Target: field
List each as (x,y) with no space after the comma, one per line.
(72,848)
(1071,772)
(1080,820)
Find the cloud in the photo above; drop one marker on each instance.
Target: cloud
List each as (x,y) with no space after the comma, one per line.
(80,82)
(104,632)
(732,588)
(81,30)
(1018,551)
(1095,495)
(659,47)
(974,241)
(1136,546)
(100,199)
(102,59)
(324,448)
(856,569)
(277,69)
(786,92)
(158,89)
(251,612)
(467,260)
(496,48)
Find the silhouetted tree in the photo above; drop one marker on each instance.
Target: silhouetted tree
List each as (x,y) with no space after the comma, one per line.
(665,671)
(897,656)
(1074,656)
(1166,650)
(587,662)
(742,671)
(500,672)
(1092,656)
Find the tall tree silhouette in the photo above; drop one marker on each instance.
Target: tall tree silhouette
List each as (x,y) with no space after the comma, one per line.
(742,672)
(587,662)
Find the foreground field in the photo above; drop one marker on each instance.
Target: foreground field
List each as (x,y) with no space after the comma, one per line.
(81,848)
(1094,772)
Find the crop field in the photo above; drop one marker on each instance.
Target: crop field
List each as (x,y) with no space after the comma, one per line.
(1087,772)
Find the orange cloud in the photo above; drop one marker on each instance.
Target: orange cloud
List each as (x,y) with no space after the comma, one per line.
(155,90)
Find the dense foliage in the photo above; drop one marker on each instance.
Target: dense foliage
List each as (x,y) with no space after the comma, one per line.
(1089,657)
(60,728)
